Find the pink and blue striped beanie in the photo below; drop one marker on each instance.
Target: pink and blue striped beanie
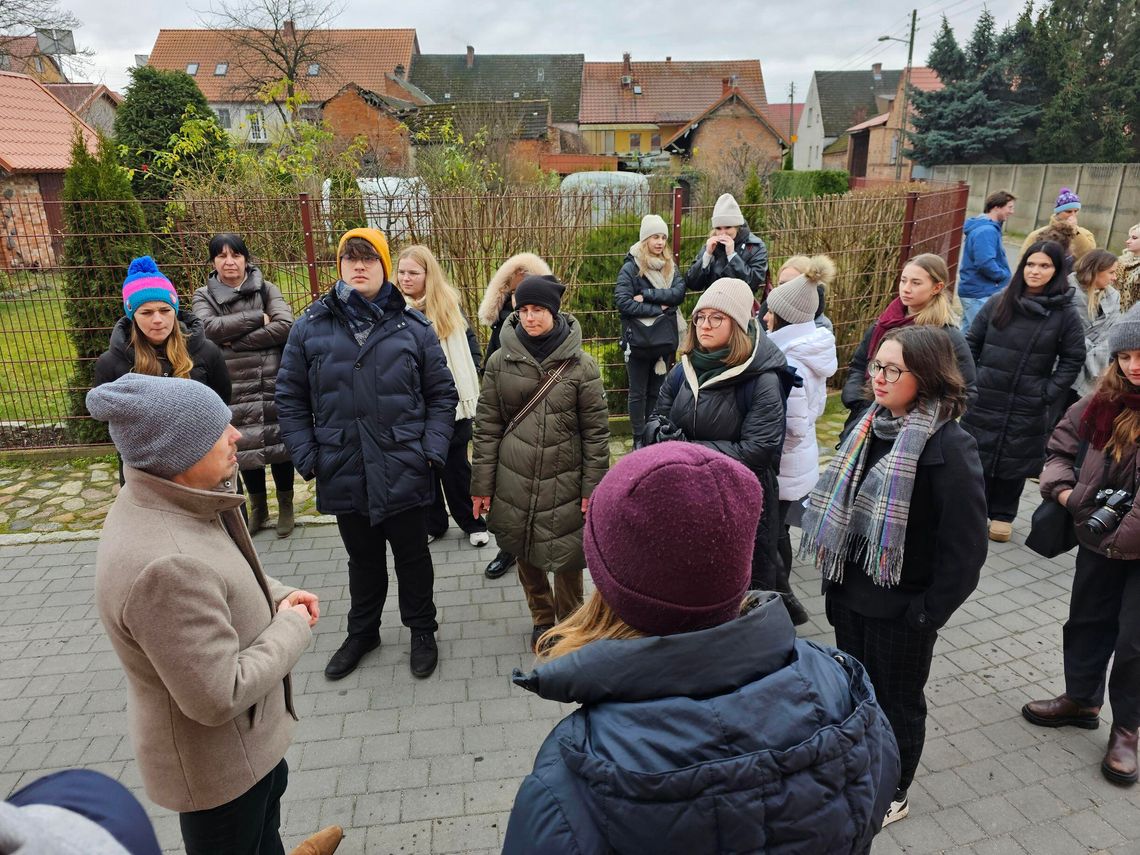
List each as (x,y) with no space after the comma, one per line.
(145,283)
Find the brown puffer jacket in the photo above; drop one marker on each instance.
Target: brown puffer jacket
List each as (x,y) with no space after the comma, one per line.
(1123,542)
(233,319)
(538,474)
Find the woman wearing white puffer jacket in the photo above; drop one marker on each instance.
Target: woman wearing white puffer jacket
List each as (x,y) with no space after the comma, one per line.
(811,351)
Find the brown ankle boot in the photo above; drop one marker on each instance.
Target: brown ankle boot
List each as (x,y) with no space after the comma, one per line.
(1119,764)
(1060,711)
(324,842)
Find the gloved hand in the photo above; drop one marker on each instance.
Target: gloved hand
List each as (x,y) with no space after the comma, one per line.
(660,429)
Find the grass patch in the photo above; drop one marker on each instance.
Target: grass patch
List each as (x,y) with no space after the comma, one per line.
(36,358)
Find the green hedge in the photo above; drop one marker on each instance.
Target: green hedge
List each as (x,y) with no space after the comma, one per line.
(807,184)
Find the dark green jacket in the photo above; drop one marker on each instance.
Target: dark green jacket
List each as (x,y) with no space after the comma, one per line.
(538,474)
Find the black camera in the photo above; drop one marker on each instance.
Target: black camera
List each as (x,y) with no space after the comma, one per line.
(1113,505)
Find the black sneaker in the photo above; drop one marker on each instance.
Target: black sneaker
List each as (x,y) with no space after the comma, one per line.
(348,656)
(425,654)
(536,634)
(499,565)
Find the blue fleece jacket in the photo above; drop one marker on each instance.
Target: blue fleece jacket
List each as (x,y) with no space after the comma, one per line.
(984,270)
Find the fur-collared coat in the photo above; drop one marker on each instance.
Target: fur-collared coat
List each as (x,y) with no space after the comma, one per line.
(496,306)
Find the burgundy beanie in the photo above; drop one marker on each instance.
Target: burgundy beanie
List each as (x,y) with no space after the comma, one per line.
(669,537)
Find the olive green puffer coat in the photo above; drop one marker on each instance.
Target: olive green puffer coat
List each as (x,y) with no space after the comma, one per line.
(538,474)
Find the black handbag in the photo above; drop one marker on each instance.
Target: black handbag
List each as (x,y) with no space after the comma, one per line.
(1052,531)
(659,339)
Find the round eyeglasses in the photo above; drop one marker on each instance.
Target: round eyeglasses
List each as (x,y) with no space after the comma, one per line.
(891,373)
(708,319)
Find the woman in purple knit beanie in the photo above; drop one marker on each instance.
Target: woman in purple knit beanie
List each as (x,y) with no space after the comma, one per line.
(705,725)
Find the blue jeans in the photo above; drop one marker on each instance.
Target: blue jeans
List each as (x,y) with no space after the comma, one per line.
(970,308)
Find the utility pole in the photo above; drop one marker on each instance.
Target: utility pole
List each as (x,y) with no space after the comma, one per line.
(791,114)
(905,95)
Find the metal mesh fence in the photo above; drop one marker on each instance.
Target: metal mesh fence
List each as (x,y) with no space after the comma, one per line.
(46,307)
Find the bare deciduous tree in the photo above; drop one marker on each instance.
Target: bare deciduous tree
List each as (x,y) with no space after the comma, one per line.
(19,17)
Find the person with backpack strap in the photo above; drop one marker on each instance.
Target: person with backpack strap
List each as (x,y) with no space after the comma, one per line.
(706,400)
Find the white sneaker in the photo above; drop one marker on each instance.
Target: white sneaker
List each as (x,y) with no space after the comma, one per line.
(900,807)
(479,538)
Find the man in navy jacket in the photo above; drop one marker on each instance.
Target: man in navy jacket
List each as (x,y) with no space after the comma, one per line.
(985,268)
(367,406)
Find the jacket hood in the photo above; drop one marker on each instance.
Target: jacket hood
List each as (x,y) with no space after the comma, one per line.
(496,293)
(222,293)
(811,346)
(192,328)
(980,222)
(509,340)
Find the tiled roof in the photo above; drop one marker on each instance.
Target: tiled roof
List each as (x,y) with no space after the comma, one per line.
(925,79)
(778,117)
(36,129)
(77,96)
(693,122)
(360,56)
(20,50)
(848,97)
(556,78)
(881,119)
(531,117)
(671,92)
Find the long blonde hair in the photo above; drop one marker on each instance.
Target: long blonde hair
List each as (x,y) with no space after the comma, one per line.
(1126,426)
(441,299)
(594,621)
(146,355)
(944,308)
(642,254)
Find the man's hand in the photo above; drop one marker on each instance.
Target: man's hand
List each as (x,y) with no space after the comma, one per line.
(480,505)
(304,603)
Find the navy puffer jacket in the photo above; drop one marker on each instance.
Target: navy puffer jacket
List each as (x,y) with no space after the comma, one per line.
(368,421)
(738,738)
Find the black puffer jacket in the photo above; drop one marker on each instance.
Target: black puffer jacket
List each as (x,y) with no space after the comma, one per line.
(209,366)
(750,263)
(1022,371)
(657,301)
(234,319)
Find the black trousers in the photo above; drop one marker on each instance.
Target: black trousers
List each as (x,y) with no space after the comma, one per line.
(454,485)
(644,387)
(247,825)
(1003,495)
(897,659)
(365,544)
(784,545)
(1104,619)
(282,477)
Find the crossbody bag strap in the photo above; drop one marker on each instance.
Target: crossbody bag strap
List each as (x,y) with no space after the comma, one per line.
(548,383)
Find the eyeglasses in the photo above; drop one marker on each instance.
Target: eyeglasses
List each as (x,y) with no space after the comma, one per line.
(708,319)
(891,373)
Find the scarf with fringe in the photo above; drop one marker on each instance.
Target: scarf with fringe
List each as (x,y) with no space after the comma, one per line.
(850,517)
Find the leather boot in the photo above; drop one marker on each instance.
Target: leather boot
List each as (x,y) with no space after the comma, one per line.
(258,511)
(284,514)
(1061,711)
(1119,764)
(324,842)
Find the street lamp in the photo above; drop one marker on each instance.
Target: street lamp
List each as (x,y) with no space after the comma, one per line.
(906,89)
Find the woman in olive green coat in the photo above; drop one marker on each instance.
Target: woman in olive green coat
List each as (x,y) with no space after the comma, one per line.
(536,479)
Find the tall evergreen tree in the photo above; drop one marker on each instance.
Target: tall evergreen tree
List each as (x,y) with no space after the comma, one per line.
(946,58)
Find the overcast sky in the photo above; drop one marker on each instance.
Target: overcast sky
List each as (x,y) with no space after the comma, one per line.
(791,38)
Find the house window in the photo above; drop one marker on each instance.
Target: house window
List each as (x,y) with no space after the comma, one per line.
(314,69)
(224,118)
(655,142)
(894,150)
(635,142)
(541,74)
(191,68)
(608,143)
(221,68)
(257,128)
(809,117)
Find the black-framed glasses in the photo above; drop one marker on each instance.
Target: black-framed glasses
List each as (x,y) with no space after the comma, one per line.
(891,373)
(708,319)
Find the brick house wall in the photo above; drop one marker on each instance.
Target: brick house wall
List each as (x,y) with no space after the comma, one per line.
(26,235)
(349,116)
(725,133)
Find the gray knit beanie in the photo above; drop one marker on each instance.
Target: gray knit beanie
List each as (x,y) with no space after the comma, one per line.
(651,225)
(795,301)
(161,425)
(731,296)
(726,212)
(1125,333)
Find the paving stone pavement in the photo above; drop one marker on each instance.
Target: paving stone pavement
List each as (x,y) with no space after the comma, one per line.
(432,766)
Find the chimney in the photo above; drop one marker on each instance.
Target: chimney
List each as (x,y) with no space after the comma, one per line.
(287,29)
(668,59)
(626,66)
(399,71)
(877,71)
(470,56)
(726,85)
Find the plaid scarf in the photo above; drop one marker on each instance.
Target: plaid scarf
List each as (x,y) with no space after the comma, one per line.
(866,522)
(361,314)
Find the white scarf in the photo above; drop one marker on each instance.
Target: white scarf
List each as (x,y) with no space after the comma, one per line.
(462,368)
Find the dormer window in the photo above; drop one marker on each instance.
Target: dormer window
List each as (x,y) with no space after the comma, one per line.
(314,69)
(191,68)
(221,68)
(541,74)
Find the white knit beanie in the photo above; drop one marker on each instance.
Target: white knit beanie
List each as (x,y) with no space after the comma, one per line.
(726,212)
(795,301)
(651,225)
(731,296)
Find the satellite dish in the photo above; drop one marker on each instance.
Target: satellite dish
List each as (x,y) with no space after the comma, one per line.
(55,42)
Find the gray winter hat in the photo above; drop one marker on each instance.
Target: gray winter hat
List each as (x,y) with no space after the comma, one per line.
(1125,333)
(795,301)
(726,212)
(162,425)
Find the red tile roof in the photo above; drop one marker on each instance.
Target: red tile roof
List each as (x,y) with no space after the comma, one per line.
(881,119)
(78,96)
(693,122)
(21,50)
(361,56)
(35,127)
(778,117)
(925,79)
(671,92)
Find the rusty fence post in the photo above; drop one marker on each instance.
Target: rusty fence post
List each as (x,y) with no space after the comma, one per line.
(961,200)
(310,248)
(677,225)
